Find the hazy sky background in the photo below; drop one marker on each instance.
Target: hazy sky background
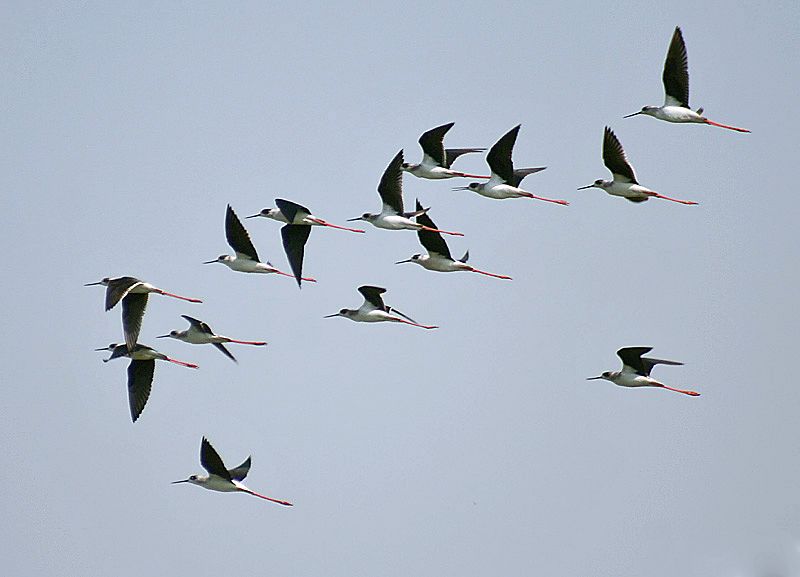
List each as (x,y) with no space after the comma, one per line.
(477,449)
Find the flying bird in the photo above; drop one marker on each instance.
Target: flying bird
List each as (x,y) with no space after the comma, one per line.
(289,212)
(199,333)
(392,216)
(676,89)
(623,181)
(436,159)
(636,370)
(294,235)
(504,182)
(373,310)
(438,258)
(246,259)
(133,294)
(140,372)
(221,479)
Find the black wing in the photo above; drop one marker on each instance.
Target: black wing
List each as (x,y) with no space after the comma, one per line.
(140,381)
(632,357)
(432,143)
(133,307)
(372,294)
(649,363)
(198,324)
(211,461)
(240,472)
(499,157)
(521,173)
(432,241)
(294,243)
(221,348)
(117,288)
(676,70)
(237,236)
(614,157)
(450,154)
(290,209)
(391,185)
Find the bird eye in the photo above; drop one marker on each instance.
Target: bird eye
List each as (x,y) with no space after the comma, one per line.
(173,333)
(598,182)
(606,374)
(265,211)
(365,215)
(341,312)
(221,257)
(193,478)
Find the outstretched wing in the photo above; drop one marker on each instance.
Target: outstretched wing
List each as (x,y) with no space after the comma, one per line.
(240,472)
(372,294)
(432,241)
(614,158)
(294,238)
(117,288)
(291,209)
(499,157)
(676,72)
(432,143)
(391,185)
(237,236)
(211,461)
(133,307)
(140,381)
(450,154)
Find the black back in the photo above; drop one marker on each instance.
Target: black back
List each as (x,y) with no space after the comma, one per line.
(372,294)
(432,143)
(240,472)
(632,357)
(450,154)
(499,157)
(133,306)
(391,185)
(290,209)
(237,236)
(198,324)
(676,70)
(211,461)
(432,241)
(140,382)
(614,157)
(117,288)
(294,243)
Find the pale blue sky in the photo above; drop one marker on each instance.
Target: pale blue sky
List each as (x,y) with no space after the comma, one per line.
(477,449)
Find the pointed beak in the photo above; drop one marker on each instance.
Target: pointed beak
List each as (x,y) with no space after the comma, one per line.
(103,349)
(210,262)
(585,187)
(330,316)
(461,188)
(593,378)
(93,283)
(355,219)
(634,114)
(163,336)
(181,481)
(402,261)
(253,215)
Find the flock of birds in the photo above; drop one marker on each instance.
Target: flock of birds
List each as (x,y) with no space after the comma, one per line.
(503,183)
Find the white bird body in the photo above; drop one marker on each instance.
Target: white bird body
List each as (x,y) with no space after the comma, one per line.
(390,220)
(636,371)
(675,78)
(429,169)
(623,183)
(374,310)
(497,188)
(243,263)
(220,478)
(438,263)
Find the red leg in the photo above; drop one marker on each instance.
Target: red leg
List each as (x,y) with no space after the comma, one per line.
(473,269)
(442,231)
(712,123)
(326,223)
(556,201)
(190,365)
(690,393)
(661,196)
(258,343)
(166,294)
(260,496)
